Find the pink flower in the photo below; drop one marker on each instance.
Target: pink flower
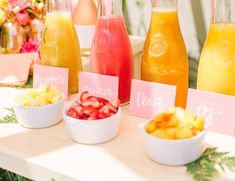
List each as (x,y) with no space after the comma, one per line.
(17,3)
(23,17)
(30,46)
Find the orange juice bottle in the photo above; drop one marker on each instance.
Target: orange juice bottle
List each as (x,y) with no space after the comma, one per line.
(60,45)
(85,17)
(165,58)
(217,63)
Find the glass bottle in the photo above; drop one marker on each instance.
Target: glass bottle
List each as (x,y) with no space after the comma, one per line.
(37,24)
(164,57)
(216,71)
(85,17)
(12,35)
(111,51)
(60,45)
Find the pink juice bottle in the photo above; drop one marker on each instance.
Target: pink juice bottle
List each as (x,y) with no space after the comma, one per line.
(111,51)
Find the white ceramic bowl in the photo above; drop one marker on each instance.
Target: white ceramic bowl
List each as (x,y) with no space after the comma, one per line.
(174,152)
(93,131)
(41,116)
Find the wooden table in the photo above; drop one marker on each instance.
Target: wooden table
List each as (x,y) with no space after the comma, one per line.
(47,154)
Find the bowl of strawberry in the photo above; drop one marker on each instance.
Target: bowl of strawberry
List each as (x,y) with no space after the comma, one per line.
(92,120)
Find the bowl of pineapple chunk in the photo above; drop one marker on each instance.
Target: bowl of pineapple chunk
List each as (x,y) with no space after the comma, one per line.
(175,137)
(39,108)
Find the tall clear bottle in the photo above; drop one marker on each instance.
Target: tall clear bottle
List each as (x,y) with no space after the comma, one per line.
(85,17)
(111,52)
(60,45)
(165,58)
(217,63)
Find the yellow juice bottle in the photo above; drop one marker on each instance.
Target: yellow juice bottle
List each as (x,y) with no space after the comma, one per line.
(60,45)
(216,71)
(165,58)
(217,63)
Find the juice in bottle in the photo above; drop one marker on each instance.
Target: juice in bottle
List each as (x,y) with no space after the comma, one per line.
(60,45)
(217,63)
(84,18)
(111,52)
(165,58)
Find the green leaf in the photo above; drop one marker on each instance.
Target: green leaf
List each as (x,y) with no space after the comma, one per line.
(10,118)
(228,162)
(205,168)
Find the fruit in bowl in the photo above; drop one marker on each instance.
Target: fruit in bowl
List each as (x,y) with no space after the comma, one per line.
(92,120)
(175,137)
(39,108)
(44,95)
(89,107)
(175,123)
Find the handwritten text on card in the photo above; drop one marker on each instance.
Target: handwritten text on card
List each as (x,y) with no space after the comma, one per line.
(149,99)
(51,76)
(217,110)
(99,85)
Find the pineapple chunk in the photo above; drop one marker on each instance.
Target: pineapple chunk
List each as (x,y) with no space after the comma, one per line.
(158,118)
(39,101)
(44,95)
(198,124)
(150,127)
(188,117)
(171,132)
(43,88)
(161,133)
(184,133)
(55,99)
(173,122)
(180,113)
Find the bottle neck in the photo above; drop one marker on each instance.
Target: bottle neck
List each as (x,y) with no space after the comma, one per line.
(109,8)
(57,5)
(223,11)
(165,5)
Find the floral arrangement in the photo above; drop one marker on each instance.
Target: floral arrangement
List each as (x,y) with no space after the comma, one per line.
(21,25)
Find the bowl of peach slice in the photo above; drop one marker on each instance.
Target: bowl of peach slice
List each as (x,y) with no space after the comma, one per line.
(92,120)
(40,107)
(175,137)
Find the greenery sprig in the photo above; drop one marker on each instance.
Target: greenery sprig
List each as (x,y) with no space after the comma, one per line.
(9,176)
(208,165)
(10,118)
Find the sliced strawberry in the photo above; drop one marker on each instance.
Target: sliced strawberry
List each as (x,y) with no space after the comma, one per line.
(102,100)
(105,109)
(92,101)
(85,117)
(103,115)
(112,108)
(88,110)
(94,115)
(84,96)
(116,103)
(71,113)
(78,111)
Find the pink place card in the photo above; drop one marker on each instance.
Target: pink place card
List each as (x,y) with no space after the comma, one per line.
(149,99)
(217,109)
(51,76)
(99,85)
